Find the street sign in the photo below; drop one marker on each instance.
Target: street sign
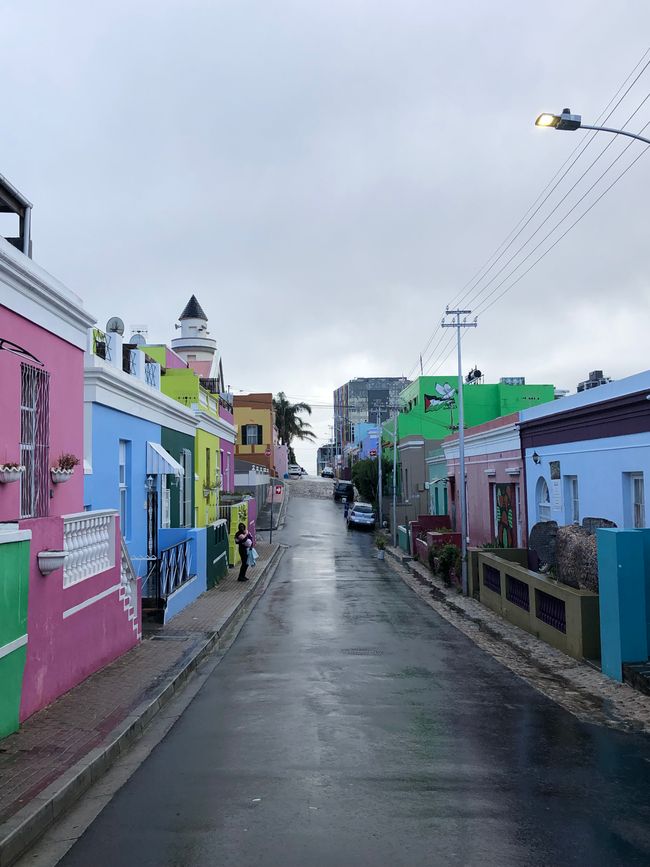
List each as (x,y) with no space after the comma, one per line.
(278,490)
(268,453)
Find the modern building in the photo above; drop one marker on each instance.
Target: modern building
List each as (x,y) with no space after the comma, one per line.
(595,379)
(68,603)
(359,400)
(588,455)
(324,457)
(430,414)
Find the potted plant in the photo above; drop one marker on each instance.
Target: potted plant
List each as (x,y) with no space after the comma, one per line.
(64,468)
(380,542)
(10,472)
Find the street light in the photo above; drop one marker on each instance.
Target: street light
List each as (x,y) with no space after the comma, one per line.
(571,122)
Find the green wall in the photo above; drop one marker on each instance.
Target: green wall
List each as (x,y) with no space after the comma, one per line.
(174,442)
(14,586)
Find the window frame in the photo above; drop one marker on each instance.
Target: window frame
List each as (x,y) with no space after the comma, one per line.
(34,441)
(540,503)
(123,448)
(638,507)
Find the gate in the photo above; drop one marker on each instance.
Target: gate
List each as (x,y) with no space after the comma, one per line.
(152,589)
(217,552)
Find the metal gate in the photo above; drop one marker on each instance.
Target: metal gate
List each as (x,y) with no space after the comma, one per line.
(152,590)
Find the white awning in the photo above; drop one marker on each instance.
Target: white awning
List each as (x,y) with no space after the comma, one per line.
(160,461)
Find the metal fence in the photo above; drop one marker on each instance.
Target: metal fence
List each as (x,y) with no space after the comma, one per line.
(34,441)
(175,567)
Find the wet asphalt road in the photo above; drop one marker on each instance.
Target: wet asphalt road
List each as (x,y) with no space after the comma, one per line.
(350,725)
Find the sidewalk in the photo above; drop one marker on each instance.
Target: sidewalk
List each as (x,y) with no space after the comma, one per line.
(60,751)
(577,686)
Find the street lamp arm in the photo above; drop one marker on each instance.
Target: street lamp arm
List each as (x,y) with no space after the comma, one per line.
(615,132)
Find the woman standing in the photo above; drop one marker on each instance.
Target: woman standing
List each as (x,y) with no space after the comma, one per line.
(244,541)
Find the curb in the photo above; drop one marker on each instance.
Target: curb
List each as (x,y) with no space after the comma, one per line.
(22,830)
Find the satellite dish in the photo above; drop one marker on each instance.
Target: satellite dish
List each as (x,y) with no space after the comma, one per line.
(138,339)
(115,325)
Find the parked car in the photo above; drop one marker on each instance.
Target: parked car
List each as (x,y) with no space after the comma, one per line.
(295,471)
(343,489)
(361,515)
(328,473)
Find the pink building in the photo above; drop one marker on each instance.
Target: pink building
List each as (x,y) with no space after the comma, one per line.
(81,607)
(496,505)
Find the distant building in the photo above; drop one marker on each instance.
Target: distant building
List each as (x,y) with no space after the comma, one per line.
(324,457)
(596,378)
(358,400)
(257,436)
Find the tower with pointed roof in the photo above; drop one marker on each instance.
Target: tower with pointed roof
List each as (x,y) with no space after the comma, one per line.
(195,346)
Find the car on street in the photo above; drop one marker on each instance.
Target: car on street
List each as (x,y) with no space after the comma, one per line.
(327,473)
(343,488)
(361,515)
(294,471)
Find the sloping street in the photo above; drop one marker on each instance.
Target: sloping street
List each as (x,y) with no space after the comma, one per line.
(350,725)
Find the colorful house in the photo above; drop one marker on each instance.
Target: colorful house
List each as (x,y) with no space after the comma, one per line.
(258,436)
(68,602)
(588,455)
(496,503)
(128,468)
(430,413)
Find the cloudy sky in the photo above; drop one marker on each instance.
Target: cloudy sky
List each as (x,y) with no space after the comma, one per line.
(326,174)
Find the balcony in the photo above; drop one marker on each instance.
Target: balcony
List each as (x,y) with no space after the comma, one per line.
(89,543)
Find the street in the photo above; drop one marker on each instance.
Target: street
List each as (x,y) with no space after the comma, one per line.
(350,725)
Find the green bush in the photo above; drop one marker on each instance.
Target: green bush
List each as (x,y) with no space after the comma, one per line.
(448,559)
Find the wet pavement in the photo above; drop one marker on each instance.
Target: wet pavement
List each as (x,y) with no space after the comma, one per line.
(350,725)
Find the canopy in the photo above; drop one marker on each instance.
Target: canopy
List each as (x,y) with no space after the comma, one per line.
(160,461)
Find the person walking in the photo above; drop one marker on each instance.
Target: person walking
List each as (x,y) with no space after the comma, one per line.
(244,541)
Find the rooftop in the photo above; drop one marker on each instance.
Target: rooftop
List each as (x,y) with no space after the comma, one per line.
(193,310)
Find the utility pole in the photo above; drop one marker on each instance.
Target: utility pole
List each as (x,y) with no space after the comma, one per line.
(394,520)
(379,491)
(458,324)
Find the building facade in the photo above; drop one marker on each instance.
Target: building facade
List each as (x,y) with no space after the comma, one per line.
(359,400)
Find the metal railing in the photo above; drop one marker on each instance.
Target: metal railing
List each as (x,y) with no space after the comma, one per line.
(517,592)
(550,610)
(175,567)
(491,578)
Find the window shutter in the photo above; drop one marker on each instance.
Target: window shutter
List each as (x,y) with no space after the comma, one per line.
(260,435)
(244,429)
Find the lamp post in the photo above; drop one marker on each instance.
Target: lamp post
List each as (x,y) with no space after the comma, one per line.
(571,122)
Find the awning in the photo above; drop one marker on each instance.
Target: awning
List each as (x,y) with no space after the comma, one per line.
(160,461)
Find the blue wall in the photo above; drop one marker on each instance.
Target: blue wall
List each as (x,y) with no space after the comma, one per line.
(190,591)
(602,467)
(101,487)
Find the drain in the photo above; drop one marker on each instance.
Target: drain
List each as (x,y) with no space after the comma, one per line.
(362,651)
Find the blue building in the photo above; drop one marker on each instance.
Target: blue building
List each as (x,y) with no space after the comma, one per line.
(126,468)
(588,455)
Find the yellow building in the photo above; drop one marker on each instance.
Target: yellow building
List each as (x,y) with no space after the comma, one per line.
(256,433)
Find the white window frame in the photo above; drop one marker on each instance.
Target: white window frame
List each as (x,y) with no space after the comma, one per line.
(543,505)
(637,495)
(123,484)
(572,494)
(185,489)
(252,438)
(165,501)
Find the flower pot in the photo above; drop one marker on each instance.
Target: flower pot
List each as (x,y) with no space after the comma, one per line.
(380,554)
(10,474)
(58,475)
(50,561)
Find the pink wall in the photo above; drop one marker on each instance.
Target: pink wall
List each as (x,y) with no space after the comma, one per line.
(172,360)
(64,363)
(480,486)
(229,477)
(281,460)
(63,652)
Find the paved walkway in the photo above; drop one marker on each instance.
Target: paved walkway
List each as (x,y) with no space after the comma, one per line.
(53,740)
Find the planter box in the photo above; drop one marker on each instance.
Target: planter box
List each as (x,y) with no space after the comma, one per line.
(436,539)
(564,617)
(427,522)
(10,474)
(60,476)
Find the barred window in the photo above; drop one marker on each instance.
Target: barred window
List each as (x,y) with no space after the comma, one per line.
(34,441)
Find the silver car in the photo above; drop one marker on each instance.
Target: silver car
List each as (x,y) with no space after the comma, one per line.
(361,515)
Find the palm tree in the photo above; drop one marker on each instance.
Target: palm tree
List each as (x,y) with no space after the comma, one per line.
(289,424)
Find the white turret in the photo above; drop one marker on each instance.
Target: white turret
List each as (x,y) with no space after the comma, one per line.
(194,345)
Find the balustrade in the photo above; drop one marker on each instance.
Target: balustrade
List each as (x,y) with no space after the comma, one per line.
(89,543)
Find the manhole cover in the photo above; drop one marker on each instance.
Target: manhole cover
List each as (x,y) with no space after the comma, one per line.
(362,651)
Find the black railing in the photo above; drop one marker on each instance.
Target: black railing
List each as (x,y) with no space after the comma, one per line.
(517,592)
(491,578)
(550,610)
(174,567)
(150,373)
(209,384)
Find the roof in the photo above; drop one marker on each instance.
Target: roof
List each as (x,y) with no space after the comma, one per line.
(193,310)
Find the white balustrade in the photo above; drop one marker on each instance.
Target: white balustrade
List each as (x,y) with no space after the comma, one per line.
(89,542)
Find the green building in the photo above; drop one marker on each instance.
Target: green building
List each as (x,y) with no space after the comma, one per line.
(430,413)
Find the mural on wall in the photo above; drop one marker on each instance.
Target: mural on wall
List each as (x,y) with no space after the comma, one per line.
(504,516)
(444,398)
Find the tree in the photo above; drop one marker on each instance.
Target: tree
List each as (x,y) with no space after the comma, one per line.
(289,423)
(364,476)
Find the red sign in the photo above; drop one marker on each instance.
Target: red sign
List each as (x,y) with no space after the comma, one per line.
(278,490)
(268,452)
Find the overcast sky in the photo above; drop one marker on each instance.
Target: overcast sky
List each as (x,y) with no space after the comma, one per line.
(326,174)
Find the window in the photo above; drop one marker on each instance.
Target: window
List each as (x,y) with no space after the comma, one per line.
(208,469)
(123,482)
(34,441)
(252,435)
(543,500)
(572,499)
(638,501)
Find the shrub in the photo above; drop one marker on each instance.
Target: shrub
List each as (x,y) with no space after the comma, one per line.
(448,561)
